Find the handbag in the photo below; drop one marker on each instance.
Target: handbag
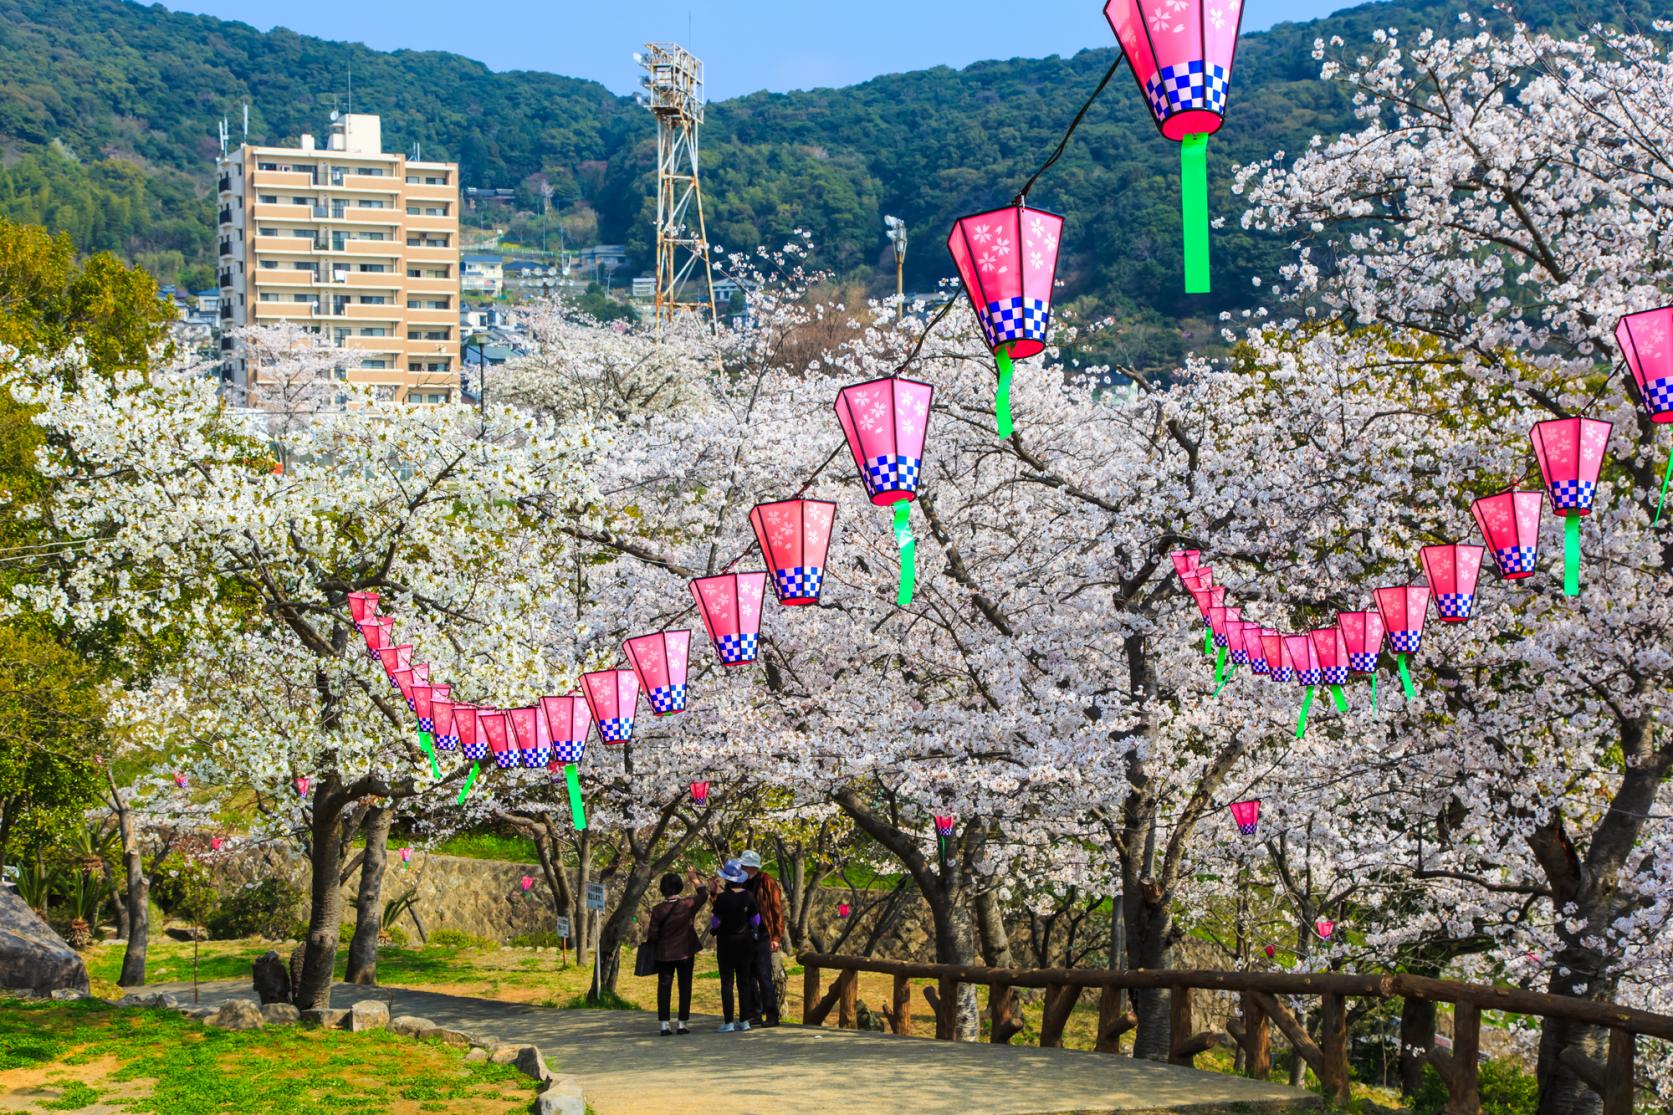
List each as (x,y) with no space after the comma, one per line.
(644,961)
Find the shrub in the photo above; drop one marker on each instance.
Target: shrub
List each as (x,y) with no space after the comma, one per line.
(181,888)
(546,938)
(263,909)
(1506,1089)
(459,939)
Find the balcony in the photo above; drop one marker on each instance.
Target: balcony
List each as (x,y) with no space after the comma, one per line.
(226,247)
(433,317)
(374,280)
(225,184)
(281,179)
(226,279)
(280,211)
(226,311)
(386,248)
(417,222)
(417,253)
(286,245)
(418,192)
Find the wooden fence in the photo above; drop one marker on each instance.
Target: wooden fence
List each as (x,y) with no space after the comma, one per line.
(1260,1009)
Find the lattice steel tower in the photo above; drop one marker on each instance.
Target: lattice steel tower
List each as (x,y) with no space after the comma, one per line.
(674,94)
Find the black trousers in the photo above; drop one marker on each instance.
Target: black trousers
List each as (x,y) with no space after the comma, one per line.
(737,960)
(666,970)
(761,974)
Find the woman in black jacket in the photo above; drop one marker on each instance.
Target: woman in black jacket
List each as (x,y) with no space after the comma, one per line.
(734,922)
(675,937)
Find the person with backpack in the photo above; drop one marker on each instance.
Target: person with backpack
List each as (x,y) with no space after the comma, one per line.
(735,921)
(675,937)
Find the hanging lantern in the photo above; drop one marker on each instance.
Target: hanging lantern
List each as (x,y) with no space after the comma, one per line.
(1219,621)
(1181,56)
(1186,561)
(1007,259)
(215,843)
(1402,609)
(1280,667)
(441,711)
(180,780)
(394,660)
(569,719)
(363,606)
(422,700)
(943,833)
(1247,814)
(1644,341)
(659,662)
(730,605)
(612,696)
(1570,453)
(527,881)
(844,909)
(302,786)
(1362,632)
(1254,645)
(1325,928)
(1452,572)
(1237,645)
(377,631)
(1208,597)
(1331,647)
(1509,522)
(700,794)
(1270,951)
(473,743)
(795,537)
(885,421)
(495,726)
(1308,673)
(525,740)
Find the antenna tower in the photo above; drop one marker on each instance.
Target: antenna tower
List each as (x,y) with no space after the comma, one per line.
(673,85)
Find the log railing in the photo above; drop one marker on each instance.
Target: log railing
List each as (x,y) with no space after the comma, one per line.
(1260,1008)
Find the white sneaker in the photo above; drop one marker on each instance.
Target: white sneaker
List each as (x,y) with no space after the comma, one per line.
(726,1027)
(743,1026)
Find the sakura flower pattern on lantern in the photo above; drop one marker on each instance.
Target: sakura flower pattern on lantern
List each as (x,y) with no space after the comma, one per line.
(612,698)
(730,606)
(659,663)
(884,422)
(1643,338)
(1570,453)
(1452,572)
(795,537)
(1181,53)
(1509,523)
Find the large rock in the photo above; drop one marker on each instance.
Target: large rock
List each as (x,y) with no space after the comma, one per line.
(368,1014)
(410,1025)
(280,1014)
(448,1037)
(562,1096)
(33,958)
(271,978)
(236,1014)
(531,1064)
(326,1018)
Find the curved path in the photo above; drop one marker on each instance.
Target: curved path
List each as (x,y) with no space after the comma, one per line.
(625,1068)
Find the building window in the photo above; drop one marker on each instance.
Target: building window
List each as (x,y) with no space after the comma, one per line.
(373,300)
(269,265)
(267,199)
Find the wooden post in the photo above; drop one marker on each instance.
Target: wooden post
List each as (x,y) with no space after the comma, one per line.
(850,981)
(1333,1044)
(946,1009)
(903,1005)
(1179,1025)
(1257,1039)
(810,991)
(1621,1089)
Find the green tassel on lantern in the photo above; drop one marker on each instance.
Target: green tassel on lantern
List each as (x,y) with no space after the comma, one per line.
(577,815)
(1193,197)
(428,743)
(1002,397)
(1339,697)
(470,781)
(1571,553)
(1219,667)
(1405,678)
(1373,692)
(1207,643)
(908,552)
(1227,678)
(1669,476)
(1301,722)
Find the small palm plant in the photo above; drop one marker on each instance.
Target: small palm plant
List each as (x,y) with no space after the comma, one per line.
(392,911)
(85,894)
(36,883)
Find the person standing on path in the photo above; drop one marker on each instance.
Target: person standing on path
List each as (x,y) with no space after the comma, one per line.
(676,943)
(767,971)
(735,921)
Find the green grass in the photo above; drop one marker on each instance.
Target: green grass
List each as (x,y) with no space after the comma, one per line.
(158,1061)
(488,845)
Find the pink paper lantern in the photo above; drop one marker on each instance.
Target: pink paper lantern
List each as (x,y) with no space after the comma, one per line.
(1008,261)
(1280,666)
(180,780)
(1186,561)
(1237,640)
(1646,341)
(1331,648)
(473,745)
(612,696)
(1270,951)
(795,539)
(1452,572)
(215,843)
(1325,928)
(1363,634)
(1254,645)
(422,700)
(1219,619)
(700,794)
(730,605)
(1570,453)
(302,786)
(363,606)
(1402,609)
(394,659)
(406,855)
(1509,523)
(1247,814)
(569,719)
(378,631)
(659,662)
(1202,577)
(1181,56)
(885,421)
(944,826)
(531,740)
(1305,658)
(844,909)
(527,881)
(441,712)
(491,723)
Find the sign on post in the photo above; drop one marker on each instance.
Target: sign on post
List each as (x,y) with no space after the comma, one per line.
(563,928)
(595,896)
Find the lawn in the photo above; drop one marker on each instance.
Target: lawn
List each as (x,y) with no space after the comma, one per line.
(90,1056)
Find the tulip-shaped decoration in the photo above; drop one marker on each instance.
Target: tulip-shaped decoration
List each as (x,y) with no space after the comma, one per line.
(526,882)
(473,743)
(363,606)
(422,700)
(1363,634)
(1331,646)
(700,794)
(1280,667)
(1509,523)
(1247,814)
(795,537)
(570,719)
(659,662)
(730,605)
(1007,259)
(885,421)
(1570,453)
(612,696)
(1220,620)
(943,833)
(1646,340)
(844,909)
(1309,674)
(406,855)
(1325,928)
(1402,609)
(1452,572)
(1181,56)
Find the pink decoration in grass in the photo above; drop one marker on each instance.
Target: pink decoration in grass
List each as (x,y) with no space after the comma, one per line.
(1509,523)
(659,662)
(730,605)
(1570,453)
(1363,633)
(885,421)
(1646,341)
(569,719)
(1452,572)
(1247,814)
(612,698)
(1007,259)
(527,881)
(795,539)
(1181,56)
(844,909)
(363,606)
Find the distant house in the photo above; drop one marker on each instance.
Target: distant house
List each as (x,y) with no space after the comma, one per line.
(482,274)
(208,301)
(644,287)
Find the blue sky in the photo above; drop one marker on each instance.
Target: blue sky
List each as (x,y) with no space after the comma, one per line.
(746,45)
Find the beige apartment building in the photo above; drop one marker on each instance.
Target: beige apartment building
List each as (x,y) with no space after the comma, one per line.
(350,242)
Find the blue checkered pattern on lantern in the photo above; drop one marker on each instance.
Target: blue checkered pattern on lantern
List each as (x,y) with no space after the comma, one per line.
(892,473)
(1220,640)
(736,649)
(1188,85)
(448,742)
(799,582)
(1336,675)
(569,751)
(425,724)
(668,698)
(476,752)
(1362,663)
(1240,658)
(615,729)
(410,706)
(1515,559)
(537,756)
(508,758)
(1405,642)
(1455,605)
(1259,665)
(371,652)
(1017,319)
(1282,673)
(1573,495)
(1310,677)
(1247,828)
(1658,393)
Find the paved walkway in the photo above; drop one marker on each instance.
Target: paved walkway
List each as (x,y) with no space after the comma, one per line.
(627,1069)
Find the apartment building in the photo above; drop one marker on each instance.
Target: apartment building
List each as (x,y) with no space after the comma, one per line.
(353,243)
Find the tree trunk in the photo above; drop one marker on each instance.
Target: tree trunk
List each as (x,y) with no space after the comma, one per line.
(138,899)
(325,898)
(1561,1090)
(1149,923)
(990,925)
(1417,1033)
(368,918)
(580,917)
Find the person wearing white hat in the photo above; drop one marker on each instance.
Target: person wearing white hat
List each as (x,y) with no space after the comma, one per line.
(734,923)
(767,971)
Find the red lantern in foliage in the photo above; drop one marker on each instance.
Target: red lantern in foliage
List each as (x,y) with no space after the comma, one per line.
(378,631)
(1270,952)
(1363,633)
(613,697)
(530,743)
(395,659)
(1325,928)
(363,606)
(1308,674)
(730,605)
(1007,259)
(1509,522)
(569,719)
(1331,646)
(659,662)
(1254,645)
(441,712)
(1280,667)
(302,786)
(700,794)
(1186,561)
(885,422)
(215,843)
(1403,608)
(795,539)
(1452,572)
(843,909)
(1247,814)
(1646,341)
(1570,453)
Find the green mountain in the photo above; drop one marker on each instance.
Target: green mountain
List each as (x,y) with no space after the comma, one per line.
(109,110)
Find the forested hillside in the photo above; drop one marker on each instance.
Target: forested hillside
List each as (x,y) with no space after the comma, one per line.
(109,113)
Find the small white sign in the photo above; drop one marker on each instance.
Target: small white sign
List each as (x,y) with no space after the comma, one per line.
(563,928)
(595,896)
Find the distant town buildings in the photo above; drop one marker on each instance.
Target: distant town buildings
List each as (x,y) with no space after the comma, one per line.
(482,274)
(351,242)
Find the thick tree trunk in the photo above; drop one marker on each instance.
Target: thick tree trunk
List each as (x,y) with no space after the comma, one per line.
(990,924)
(138,898)
(1149,924)
(368,917)
(1417,1033)
(325,899)
(1561,1090)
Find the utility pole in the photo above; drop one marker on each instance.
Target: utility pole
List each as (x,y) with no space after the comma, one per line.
(673,84)
(896,231)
